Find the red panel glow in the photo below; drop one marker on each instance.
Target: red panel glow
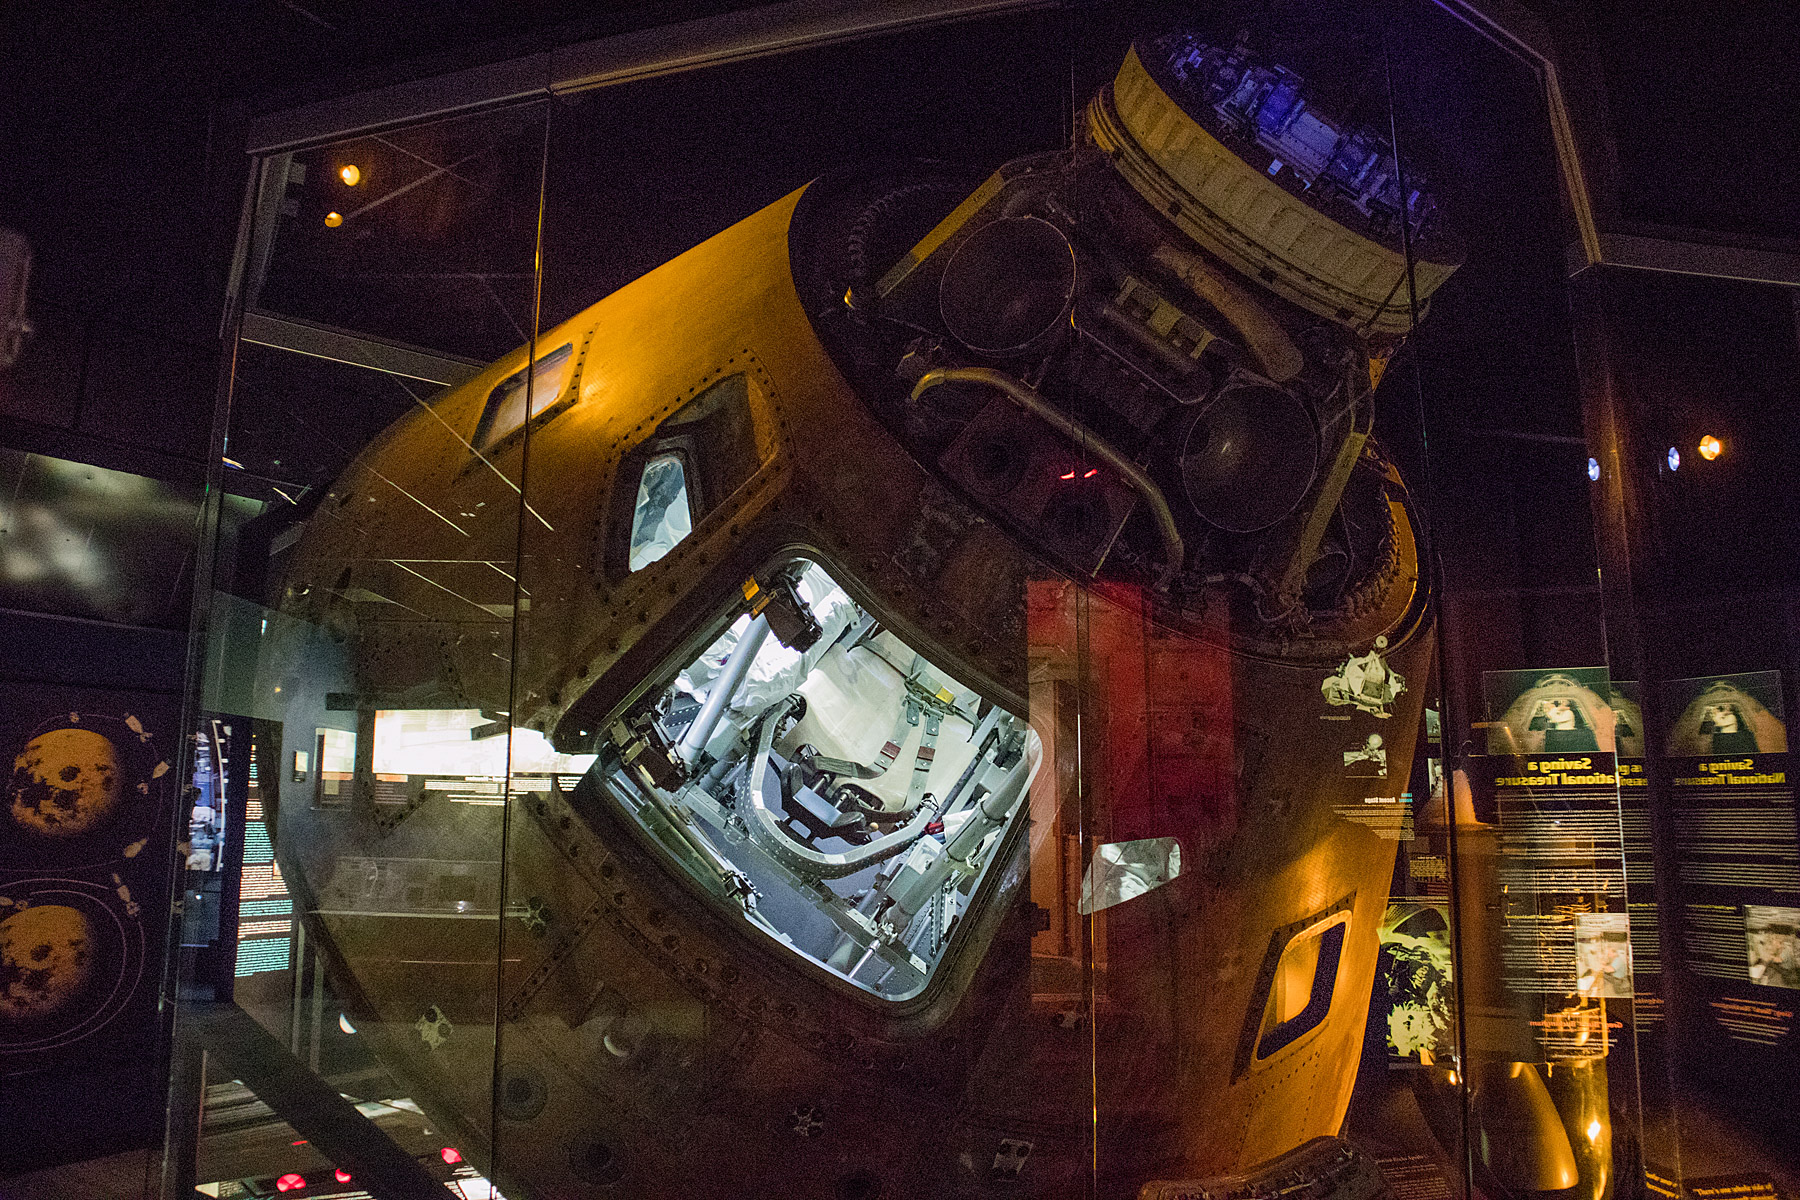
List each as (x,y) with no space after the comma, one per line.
(343,1176)
(450,1155)
(290,1183)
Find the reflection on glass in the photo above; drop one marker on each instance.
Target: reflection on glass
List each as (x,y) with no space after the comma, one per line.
(1124,871)
(661,517)
(826,782)
(463,742)
(337,766)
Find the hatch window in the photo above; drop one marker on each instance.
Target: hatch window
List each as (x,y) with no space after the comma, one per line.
(663,516)
(1305,979)
(826,783)
(505,411)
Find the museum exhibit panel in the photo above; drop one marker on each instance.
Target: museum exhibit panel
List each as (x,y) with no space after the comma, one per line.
(1061,603)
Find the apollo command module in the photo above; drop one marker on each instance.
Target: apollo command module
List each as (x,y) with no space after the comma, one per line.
(940,626)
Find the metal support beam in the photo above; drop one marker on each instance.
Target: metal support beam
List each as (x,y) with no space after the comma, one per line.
(1524,34)
(643,54)
(356,349)
(312,1107)
(1689,258)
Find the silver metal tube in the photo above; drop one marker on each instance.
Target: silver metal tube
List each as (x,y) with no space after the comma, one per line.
(912,891)
(1031,401)
(724,687)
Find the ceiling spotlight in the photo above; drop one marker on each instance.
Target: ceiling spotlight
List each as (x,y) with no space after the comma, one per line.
(1674,459)
(350,174)
(1711,447)
(333,220)
(1593,470)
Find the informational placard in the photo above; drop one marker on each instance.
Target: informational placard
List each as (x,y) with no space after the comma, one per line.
(1565,947)
(1732,808)
(1743,1185)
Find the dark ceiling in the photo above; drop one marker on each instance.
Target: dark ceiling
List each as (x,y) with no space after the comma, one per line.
(125,168)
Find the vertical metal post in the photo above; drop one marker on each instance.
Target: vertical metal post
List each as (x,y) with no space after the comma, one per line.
(297,964)
(180,1125)
(318,1009)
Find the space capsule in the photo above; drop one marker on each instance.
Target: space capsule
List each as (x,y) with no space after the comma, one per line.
(918,717)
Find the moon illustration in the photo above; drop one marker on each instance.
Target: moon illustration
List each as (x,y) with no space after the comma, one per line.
(66,782)
(45,960)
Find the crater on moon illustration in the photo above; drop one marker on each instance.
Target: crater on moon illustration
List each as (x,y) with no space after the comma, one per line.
(66,782)
(46,958)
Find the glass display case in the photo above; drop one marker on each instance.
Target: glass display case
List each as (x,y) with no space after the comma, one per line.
(997,608)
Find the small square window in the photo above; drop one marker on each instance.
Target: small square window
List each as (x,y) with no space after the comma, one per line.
(662,517)
(505,411)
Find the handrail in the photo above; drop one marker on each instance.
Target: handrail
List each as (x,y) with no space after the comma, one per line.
(1033,402)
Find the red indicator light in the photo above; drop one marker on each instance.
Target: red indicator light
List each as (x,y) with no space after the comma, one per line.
(298,1142)
(290,1183)
(1070,475)
(449,1154)
(1091,472)
(342,1175)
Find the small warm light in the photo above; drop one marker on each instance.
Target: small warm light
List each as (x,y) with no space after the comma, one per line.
(333,220)
(1454,1079)
(449,1154)
(350,175)
(1674,459)
(1593,1130)
(341,1175)
(1711,447)
(290,1183)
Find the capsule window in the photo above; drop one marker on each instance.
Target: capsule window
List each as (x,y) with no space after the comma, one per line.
(505,411)
(696,459)
(663,515)
(833,790)
(1304,981)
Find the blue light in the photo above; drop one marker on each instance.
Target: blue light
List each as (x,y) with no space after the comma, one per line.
(1594,470)
(1674,459)
(1275,167)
